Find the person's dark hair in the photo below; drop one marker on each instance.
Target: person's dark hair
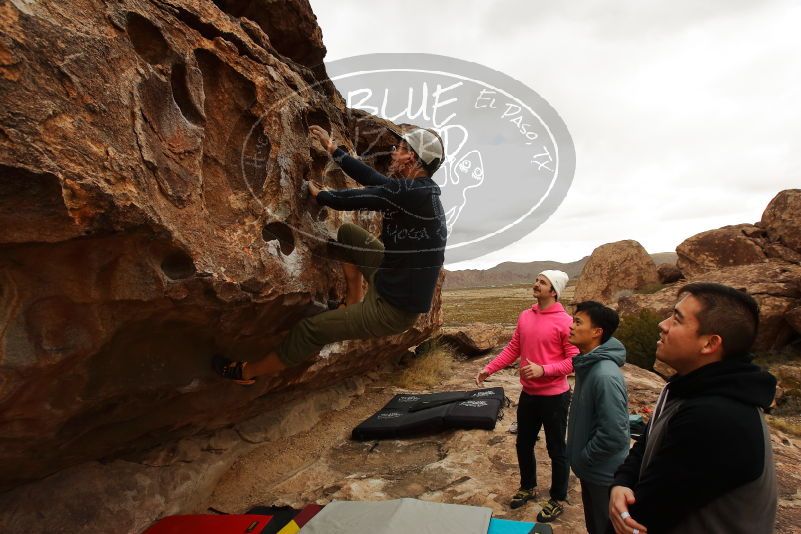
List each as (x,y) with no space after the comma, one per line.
(601,317)
(728,312)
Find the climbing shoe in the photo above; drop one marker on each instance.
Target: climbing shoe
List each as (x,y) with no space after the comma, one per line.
(550,511)
(230,369)
(522,497)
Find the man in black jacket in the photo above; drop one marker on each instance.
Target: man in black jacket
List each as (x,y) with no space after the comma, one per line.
(401,269)
(705,463)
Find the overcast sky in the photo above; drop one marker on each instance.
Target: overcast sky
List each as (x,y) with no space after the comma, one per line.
(685,115)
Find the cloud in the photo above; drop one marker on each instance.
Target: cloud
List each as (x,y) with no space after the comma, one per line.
(685,115)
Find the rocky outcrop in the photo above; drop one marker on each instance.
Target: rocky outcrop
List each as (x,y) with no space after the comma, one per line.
(776,236)
(668,273)
(775,285)
(170,479)
(151,163)
(724,247)
(474,339)
(781,221)
(759,259)
(613,269)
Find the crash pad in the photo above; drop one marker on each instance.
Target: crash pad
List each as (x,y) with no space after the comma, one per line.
(399,516)
(412,414)
(210,524)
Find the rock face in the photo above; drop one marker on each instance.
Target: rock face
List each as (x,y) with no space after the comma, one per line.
(475,339)
(775,285)
(613,268)
(151,162)
(763,260)
(777,236)
(668,273)
(724,247)
(781,220)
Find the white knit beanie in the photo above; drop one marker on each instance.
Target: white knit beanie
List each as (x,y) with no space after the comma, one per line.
(558,280)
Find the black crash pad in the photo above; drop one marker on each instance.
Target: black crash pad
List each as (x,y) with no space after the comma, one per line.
(411,414)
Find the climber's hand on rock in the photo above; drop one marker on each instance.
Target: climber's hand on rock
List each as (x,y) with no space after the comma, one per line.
(322,136)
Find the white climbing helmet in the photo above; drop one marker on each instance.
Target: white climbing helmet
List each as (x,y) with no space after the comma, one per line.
(427,145)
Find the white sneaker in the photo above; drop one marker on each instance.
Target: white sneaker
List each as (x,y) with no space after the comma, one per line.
(513,428)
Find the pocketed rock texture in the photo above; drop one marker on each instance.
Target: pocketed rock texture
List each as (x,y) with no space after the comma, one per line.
(614,269)
(151,162)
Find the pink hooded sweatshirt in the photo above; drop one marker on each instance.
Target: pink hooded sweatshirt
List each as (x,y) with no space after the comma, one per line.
(541,337)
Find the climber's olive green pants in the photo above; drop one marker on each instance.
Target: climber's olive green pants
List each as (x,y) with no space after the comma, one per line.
(373,317)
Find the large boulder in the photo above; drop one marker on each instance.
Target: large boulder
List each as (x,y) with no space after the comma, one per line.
(614,269)
(668,273)
(776,286)
(781,219)
(475,339)
(151,162)
(723,247)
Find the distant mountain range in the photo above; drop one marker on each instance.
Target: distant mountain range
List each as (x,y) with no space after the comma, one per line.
(509,272)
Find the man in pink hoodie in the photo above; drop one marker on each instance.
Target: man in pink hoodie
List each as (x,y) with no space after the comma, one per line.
(546,358)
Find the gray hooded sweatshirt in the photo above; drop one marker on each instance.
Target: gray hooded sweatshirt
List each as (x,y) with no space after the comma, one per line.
(598,425)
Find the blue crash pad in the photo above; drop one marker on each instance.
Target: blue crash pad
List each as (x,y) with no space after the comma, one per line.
(505,526)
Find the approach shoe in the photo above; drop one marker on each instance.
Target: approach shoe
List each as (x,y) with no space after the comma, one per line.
(550,511)
(230,369)
(513,427)
(522,497)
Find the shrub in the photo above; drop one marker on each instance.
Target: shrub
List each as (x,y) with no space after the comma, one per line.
(639,333)
(428,369)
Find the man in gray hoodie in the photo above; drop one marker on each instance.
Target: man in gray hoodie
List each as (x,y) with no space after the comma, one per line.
(598,425)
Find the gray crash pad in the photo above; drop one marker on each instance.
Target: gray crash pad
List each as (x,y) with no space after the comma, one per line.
(399,516)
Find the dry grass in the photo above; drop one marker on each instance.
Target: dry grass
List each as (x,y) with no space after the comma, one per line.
(788,425)
(428,369)
(499,305)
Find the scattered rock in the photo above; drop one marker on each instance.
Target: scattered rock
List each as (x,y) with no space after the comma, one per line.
(614,269)
(172,479)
